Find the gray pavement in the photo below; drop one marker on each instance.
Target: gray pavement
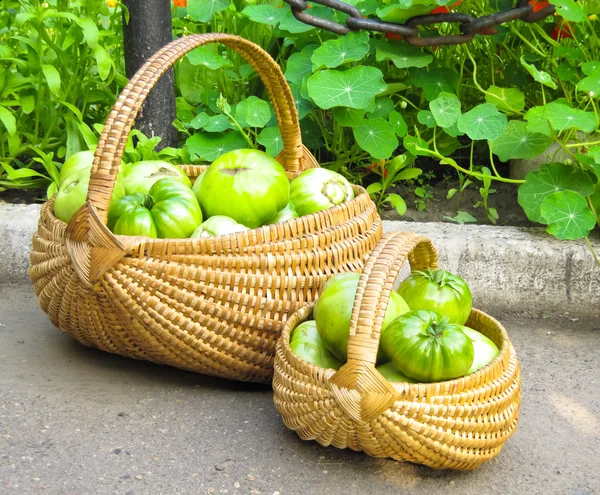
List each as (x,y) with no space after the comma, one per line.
(75,420)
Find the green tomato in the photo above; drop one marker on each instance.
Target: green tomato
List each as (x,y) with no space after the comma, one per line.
(141,176)
(246,185)
(284,215)
(196,186)
(307,344)
(485,350)
(169,210)
(218,225)
(426,347)
(318,189)
(439,291)
(73,186)
(333,311)
(391,374)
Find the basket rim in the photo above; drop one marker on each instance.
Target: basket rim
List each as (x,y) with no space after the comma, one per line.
(284,351)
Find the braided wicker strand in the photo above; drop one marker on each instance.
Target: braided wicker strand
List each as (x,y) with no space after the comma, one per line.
(213,306)
(454,424)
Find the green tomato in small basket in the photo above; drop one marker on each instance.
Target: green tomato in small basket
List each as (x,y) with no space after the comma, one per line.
(428,348)
(284,215)
(169,210)
(333,311)
(74,180)
(216,226)
(246,185)
(196,186)
(139,177)
(485,350)
(439,291)
(318,189)
(391,373)
(307,344)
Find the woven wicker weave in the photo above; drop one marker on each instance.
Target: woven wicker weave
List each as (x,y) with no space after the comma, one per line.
(215,305)
(454,424)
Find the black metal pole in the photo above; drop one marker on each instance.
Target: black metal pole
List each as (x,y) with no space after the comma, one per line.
(148,30)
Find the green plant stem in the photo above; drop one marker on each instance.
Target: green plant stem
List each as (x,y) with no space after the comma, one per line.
(596,259)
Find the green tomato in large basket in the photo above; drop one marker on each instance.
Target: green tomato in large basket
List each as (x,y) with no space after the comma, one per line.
(284,215)
(428,348)
(74,180)
(318,189)
(307,344)
(139,177)
(246,185)
(391,373)
(439,291)
(485,350)
(333,311)
(170,210)
(216,226)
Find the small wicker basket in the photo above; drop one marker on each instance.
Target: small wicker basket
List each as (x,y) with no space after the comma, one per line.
(215,305)
(457,424)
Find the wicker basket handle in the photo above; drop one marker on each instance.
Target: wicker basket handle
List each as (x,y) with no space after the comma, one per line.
(111,145)
(375,285)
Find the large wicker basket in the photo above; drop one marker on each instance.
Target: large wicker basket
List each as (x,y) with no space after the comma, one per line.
(213,306)
(454,424)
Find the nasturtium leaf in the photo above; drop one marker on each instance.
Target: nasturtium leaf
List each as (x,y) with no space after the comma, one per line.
(567,215)
(436,81)
(397,202)
(376,137)
(270,138)
(551,178)
(568,52)
(348,117)
(401,54)
(590,85)
(210,146)
(299,65)
(536,122)
(563,117)
(207,56)
(253,112)
(589,68)
(482,122)
(349,48)
(518,142)
(217,123)
(383,107)
(302,104)
(445,109)
(570,10)
(400,12)
(291,24)
(446,143)
(509,100)
(416,146)
(351,88)
(462,217)
(264,14)
(204,10)
(398,123)
(566,72)
(200,120)
(594,152)
(538,75)
(425,117)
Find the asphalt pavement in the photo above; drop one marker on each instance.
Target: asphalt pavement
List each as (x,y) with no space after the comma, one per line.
(75,420)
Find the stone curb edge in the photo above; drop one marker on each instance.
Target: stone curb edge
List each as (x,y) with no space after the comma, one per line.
(509,269)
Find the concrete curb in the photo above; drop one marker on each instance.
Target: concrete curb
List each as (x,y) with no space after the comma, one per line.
(508,268)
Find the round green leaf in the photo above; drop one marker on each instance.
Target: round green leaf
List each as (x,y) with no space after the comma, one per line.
(589,68)
(570,10)
(436,81)
(551,178)
(377,137)
(383,107)
(445,109)
(518,142)
(302,104)
(482,122)
(538,75)
(211,146)
(563,117)
(348,117)
(299,65)
(352,88)
(264,14)
(270,138)
(401,54)
(207,56)
(590,85)
(509,100)
(204,10)
(400,126)
(217,123)
(567,215)
(415,145)
(566,72)
(253,112)
(349,48)
(425,117)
